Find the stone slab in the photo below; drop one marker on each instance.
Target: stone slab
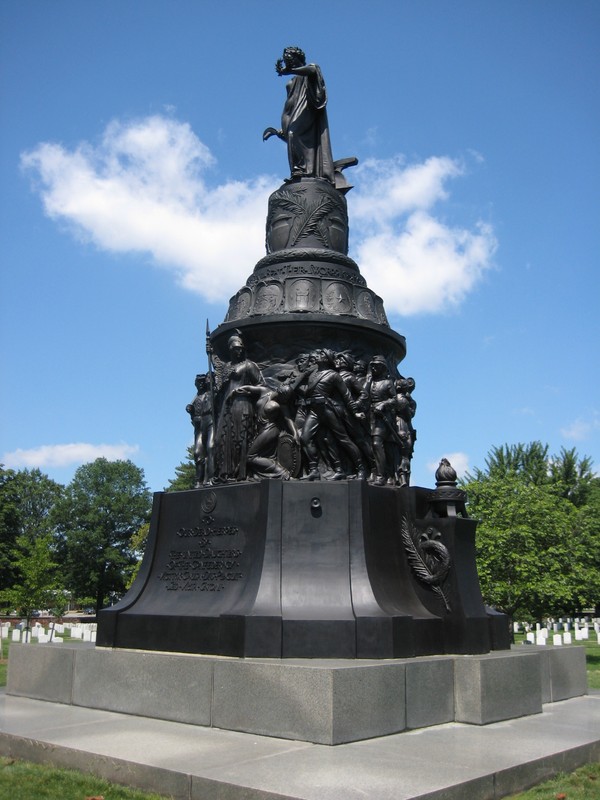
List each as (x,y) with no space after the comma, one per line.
(429,691)
(321,701)
(446,762)
(121,680)
(44,672)
(323,704)
(568,677)
(488,688)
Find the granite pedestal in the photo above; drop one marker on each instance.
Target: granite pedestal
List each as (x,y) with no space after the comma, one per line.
(322,701)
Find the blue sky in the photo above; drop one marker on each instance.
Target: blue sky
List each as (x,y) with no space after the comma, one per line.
(133,197)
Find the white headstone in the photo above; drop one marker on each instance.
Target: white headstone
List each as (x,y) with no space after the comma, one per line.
(16,636)
(567,637)
(585,633)
(557,639)
(531,638)
(540,639)
(57,640)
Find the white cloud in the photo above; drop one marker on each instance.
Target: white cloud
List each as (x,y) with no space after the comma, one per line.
(415,261)
(143,189)
(63,455)
(581,429)
(460,462)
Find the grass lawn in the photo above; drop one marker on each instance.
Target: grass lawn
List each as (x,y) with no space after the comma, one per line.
(583,784)
(21,780)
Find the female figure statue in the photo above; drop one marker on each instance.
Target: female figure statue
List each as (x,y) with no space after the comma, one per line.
(304,120)
(236,423)
(272,420)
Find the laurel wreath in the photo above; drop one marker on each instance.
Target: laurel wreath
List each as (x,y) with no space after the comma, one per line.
(417,558)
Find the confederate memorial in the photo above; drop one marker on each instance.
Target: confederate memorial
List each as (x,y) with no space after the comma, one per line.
(305,589)
(304,537)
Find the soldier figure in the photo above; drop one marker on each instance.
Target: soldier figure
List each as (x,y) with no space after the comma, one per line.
(328,401)
(200,411)
(382,394)
(405,411)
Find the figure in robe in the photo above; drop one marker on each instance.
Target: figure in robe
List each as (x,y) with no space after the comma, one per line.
(236,426)
(304,124)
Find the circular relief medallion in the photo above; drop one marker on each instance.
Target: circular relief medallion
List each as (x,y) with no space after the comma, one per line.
(301,295)
(240,305)
(336,299)
(267,299)
(208,502)
(366,306)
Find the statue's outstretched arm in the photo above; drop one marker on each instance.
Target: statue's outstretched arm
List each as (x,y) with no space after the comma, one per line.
(268,132)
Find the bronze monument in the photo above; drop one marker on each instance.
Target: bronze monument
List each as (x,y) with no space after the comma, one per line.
(304,537)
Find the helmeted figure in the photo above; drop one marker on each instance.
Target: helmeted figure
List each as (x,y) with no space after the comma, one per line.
(381,390)
(405,410)
(236,423)
(200,411)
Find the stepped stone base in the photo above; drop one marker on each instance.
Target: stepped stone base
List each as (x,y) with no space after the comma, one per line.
(317,700)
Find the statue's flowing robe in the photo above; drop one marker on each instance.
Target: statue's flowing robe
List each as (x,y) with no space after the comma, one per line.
(236,425)
(305,128)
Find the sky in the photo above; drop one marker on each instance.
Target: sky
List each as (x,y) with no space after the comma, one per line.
(133,191)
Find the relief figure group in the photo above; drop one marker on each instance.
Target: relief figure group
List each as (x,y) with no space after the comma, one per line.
(325,415)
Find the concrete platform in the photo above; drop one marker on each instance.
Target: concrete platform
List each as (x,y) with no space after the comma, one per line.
(447,762)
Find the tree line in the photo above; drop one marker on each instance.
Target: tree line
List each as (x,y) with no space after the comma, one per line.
(538,538)
(69,541)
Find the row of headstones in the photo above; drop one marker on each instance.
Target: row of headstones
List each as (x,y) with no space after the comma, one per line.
(54,633)
(541,635)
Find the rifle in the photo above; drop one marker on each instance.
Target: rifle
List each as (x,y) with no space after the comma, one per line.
(211,380)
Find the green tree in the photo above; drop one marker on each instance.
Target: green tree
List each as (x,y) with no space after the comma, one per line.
(530,461)
(572,476)
(524,551)
(185,474)
(36,585)
(27,498)
(104,505)
(538,539)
